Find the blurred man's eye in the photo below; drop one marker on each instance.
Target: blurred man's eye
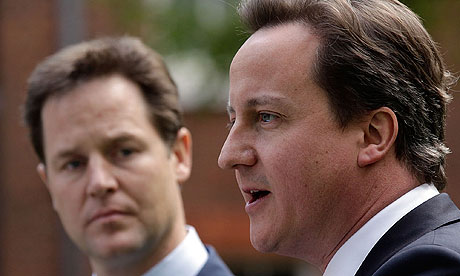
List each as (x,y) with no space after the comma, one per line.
(73,165)
(126,152)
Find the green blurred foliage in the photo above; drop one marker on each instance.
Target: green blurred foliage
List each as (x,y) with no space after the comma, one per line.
(174,26)
(427,10)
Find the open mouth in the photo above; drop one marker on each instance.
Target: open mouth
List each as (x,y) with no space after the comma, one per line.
(257,194)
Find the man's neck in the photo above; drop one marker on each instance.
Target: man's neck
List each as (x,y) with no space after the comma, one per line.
(353,252)
(381,196)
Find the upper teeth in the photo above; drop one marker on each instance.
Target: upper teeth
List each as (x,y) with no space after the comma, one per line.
(253,191)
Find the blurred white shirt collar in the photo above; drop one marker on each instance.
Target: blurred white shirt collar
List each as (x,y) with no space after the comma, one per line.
(187,259)
(350,256)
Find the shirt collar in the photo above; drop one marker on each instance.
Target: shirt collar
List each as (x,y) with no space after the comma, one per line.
(352,253)
(187,259)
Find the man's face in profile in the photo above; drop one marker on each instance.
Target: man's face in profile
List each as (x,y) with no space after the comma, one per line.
(112,179)
(290,156)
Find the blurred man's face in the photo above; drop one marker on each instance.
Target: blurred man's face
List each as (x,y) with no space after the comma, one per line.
(290,157)
(112,179)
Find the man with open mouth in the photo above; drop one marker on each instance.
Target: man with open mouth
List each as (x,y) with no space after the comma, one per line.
(337,112)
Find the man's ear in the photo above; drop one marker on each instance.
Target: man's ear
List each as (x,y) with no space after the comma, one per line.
(41,170)
(182,150)
(380,132)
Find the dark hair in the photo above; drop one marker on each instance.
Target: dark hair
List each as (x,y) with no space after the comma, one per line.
(374,53)
(82,62)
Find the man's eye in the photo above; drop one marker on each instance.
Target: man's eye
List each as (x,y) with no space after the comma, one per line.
(125,152)
(267,117)
(73,165)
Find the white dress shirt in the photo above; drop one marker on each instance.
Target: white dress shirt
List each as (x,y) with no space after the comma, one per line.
(187,259)
(352,253)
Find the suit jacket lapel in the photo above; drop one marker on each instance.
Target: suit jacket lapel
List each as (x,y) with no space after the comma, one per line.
(430,215)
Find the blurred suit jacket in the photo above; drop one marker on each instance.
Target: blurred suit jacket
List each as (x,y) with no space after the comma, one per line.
(214,266)
(424,242)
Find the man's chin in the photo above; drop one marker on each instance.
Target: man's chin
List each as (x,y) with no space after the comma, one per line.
(114,247)
(262,241)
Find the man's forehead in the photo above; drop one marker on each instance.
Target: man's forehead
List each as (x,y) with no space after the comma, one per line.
(115,105)
(266,52)
(277,37)
(105,92)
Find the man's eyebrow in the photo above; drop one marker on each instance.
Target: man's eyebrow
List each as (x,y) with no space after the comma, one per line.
(122,137)
(265,100)
(62,155)
(261,101)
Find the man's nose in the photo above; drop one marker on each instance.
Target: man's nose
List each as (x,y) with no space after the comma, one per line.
(101,180)
(237,150)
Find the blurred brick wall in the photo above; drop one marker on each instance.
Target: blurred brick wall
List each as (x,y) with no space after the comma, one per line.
(28,231)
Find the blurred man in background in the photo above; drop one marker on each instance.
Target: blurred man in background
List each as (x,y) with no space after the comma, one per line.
(105,122)
(337,113)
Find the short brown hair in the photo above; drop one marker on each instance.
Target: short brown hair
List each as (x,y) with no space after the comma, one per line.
(82,62)
(374,53)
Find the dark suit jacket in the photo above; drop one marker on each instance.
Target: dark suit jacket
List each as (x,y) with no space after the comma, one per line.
(425,242)
(214,266)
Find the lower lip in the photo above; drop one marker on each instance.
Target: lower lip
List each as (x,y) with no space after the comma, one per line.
(110,217)
(256,205)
